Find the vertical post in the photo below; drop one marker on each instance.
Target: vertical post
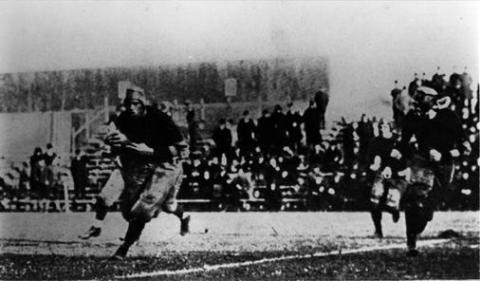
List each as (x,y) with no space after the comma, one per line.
(202,109)
(105,107)
(66,199)
(52,127)
(72,137)
(87,123)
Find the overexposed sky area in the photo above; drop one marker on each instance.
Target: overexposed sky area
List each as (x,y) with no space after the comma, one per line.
(369,44)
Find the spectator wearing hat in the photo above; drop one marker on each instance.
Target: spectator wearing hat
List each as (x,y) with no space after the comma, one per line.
(412,87)
(192,124)
(222,136)
(396,91)
(280,133)
(246,133)
(79,173)
(36,169)
(321,100)
(265,131)
(311,119)
(294,130)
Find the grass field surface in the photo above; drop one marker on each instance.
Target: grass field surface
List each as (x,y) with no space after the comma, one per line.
(45,246)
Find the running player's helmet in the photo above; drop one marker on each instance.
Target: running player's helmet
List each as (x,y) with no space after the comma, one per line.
(425,98)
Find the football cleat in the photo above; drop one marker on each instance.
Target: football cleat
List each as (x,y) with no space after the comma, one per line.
(185,225)
(120,254)
(92,232)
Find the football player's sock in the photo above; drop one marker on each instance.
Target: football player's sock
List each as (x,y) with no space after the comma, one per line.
(134,230)
(179,212)
(377,220)
(100,210)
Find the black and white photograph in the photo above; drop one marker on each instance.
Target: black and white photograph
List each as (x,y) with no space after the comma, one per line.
(239,140)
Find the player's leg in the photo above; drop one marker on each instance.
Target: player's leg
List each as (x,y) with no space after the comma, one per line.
(135,228)
(170,205)
(376,200)
(376,214)
(395,190)
(101,210)
(160,193)
(417,214)
(136,208)
(111,192)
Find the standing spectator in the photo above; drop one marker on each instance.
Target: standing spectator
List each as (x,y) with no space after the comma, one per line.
(311,118)
(246,133)
(35,172)
(396,91)
(365,134)
(265,131)
(24,183)
(192,124)
(438,82)
(401,104)
(79,173)
(348,145)
(279,127)
(316,158)
(222,136)
(412,87)
(49,155)
(321,100)
(293,121)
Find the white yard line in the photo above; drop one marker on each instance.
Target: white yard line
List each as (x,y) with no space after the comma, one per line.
(207,268)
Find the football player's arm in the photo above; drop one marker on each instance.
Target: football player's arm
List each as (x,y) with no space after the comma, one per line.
(176,145)
(407,134)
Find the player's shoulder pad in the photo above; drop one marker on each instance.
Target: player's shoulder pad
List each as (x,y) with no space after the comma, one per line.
(157,114)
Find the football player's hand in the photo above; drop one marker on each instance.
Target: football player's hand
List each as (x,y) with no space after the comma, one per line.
(116,139)
(435,155)
(454,153)
(387,173)
(140,148)
(396,154)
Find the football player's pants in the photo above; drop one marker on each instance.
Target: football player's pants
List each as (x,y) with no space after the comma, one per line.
(429,184)
(144,191)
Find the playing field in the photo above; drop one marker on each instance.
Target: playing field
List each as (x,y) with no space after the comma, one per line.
(236,246)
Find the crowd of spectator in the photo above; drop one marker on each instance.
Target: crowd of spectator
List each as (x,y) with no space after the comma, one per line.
(283,155)
(284,159)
